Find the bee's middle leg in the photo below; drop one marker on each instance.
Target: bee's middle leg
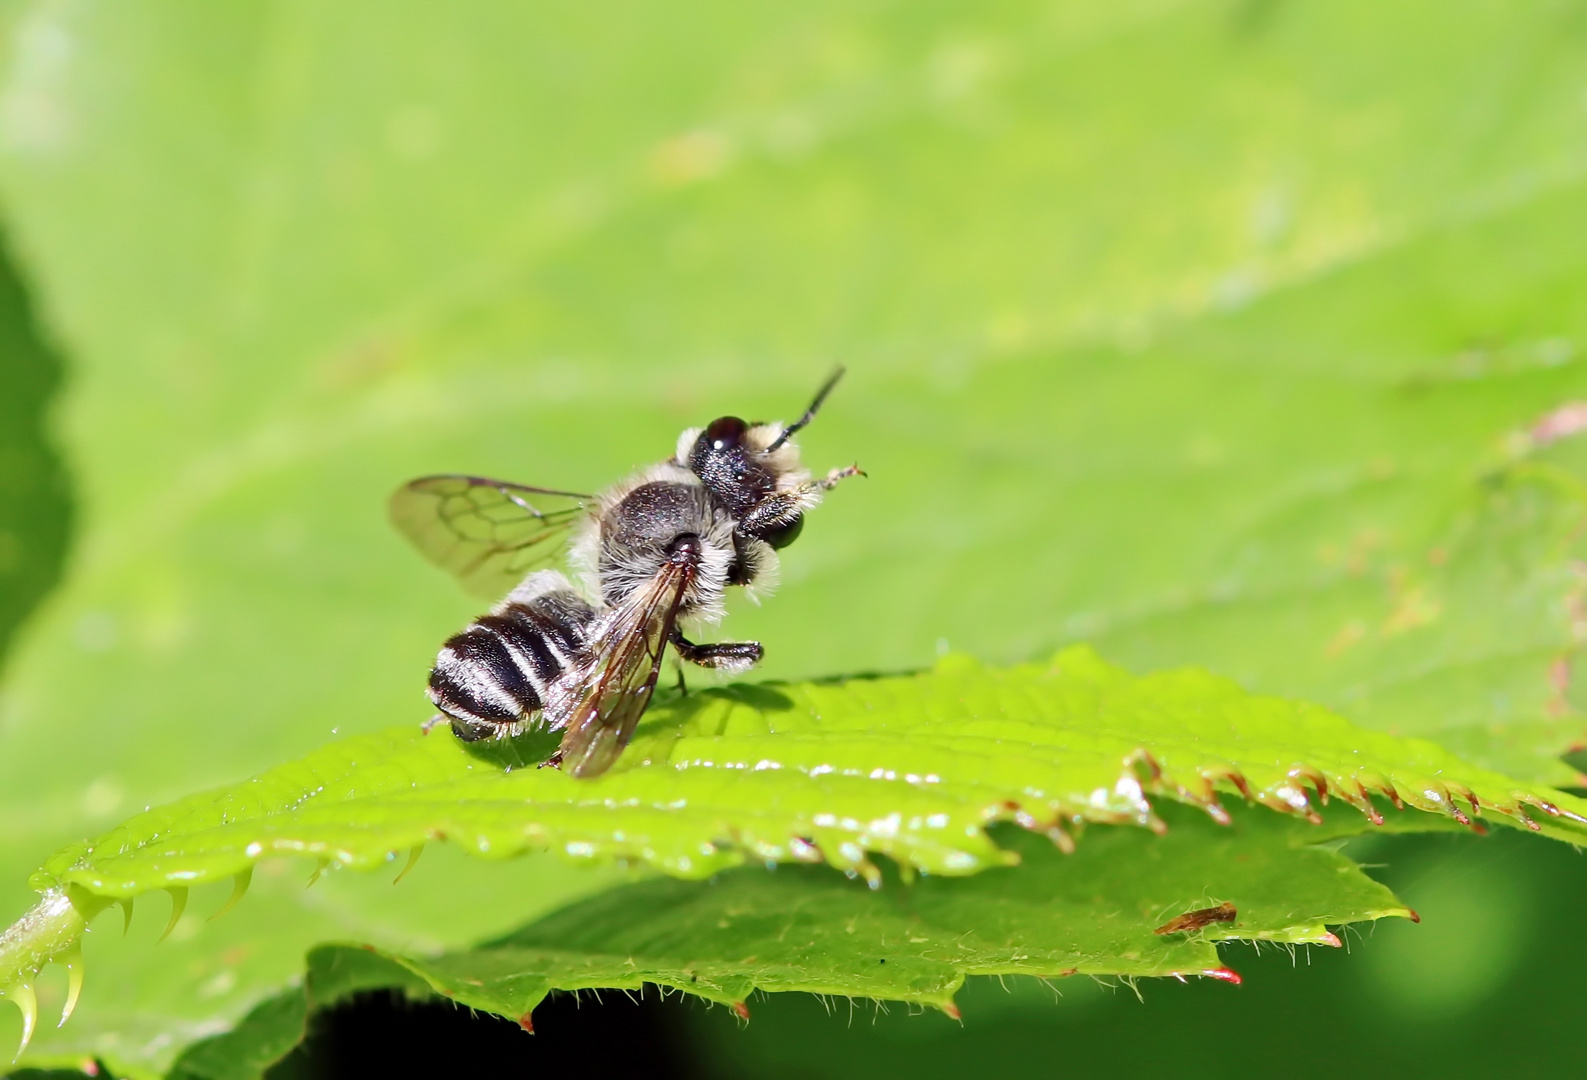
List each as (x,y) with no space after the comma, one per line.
(721,655)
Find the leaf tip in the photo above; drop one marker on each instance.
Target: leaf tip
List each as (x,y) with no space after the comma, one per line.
(1224,974)
(740,1010)
(526,1021)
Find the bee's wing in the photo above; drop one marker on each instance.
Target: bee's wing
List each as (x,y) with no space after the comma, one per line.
(604,699)
(490,533)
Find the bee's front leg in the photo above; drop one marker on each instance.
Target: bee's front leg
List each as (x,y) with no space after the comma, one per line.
(783,511)
(731,656)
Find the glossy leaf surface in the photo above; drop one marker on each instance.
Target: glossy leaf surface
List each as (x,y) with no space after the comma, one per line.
(913,767)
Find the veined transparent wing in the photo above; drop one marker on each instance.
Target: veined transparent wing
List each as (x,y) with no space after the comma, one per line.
(490,533)
(604,700)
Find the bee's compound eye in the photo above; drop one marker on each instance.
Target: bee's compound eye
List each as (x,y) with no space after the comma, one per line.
(724,433)
(783,535)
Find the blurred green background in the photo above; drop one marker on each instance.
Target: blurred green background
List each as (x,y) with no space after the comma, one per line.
(1211,332)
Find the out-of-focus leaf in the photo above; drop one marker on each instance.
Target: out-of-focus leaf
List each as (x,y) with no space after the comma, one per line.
(33,498)
(266,1035)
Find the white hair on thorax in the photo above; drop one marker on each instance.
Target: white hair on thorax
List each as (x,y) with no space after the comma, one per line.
(704,600)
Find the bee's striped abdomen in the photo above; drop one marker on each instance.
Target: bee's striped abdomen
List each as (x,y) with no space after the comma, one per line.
(492,678)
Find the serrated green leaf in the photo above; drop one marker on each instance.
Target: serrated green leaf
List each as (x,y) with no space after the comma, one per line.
(152,997)
(915,767)
(807,929)
(1093,912)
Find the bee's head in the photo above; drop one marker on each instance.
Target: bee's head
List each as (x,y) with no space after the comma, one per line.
(722,456)
(740,465)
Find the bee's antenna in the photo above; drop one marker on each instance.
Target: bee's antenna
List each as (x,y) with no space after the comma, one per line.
(810,413)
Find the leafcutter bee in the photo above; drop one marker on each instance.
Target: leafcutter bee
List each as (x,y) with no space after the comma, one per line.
(655,554)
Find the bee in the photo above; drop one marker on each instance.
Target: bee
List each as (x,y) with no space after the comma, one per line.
(656,554)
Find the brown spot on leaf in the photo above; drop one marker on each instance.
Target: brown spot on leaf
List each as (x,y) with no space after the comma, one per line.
(1192,921)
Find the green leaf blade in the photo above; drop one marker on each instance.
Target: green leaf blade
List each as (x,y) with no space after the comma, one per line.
(807,929)
(912,767)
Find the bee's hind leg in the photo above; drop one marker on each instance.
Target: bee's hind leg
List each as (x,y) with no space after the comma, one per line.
(731,656)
